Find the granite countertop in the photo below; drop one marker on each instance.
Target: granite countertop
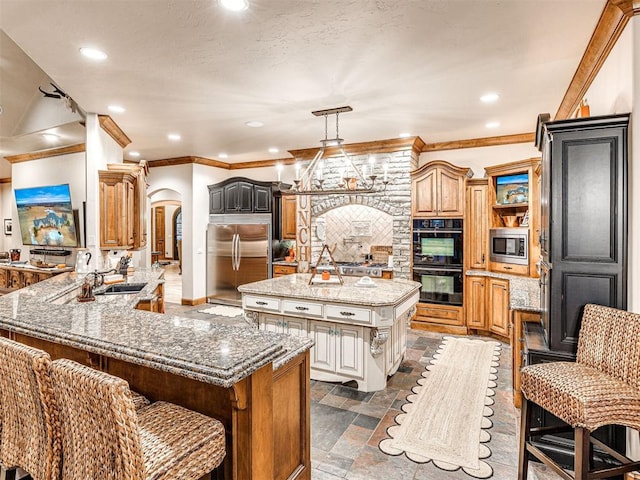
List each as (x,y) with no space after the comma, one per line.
(111,326)
(524,292)
(284,262)
(385,292)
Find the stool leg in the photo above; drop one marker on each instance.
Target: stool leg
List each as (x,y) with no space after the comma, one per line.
(582,453)
(10,474)
(525,426)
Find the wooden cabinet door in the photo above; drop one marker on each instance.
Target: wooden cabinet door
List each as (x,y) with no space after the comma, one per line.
(498,300)
(216,200)
(116,209)
(140,212)
(29,278)
(450,195)
(477,226)
(4,278)
(15,279)
(289,211)
(323,353)
(476,295)
(425,195)
(349,350)
(261,199)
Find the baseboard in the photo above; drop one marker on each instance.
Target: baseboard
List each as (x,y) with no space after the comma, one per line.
(194,301)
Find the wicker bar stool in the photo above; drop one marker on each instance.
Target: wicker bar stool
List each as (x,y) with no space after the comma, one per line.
(601,388)
(103,437)
(30,427)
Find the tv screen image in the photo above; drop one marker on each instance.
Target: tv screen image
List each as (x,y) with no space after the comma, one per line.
(46,216)
(512,189)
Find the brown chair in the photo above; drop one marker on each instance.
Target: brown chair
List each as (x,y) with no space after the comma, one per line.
(104,437)
(30,437)
(601,388)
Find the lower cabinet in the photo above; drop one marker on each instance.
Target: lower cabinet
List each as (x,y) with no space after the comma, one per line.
(280,270)
(446,318)
(155,304)
(339,348)
(279,324)
(13,278)
(487,304)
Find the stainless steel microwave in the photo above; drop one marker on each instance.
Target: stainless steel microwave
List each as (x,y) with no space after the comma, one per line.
(509,245)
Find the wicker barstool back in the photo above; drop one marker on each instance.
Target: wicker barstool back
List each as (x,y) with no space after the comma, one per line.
(30,425)
(103,437)
(99,426)
(601,388)
(609,341)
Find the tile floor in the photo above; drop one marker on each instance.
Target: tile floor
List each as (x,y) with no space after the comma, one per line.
(346,425)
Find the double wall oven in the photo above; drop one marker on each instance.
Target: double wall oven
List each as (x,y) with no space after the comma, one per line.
(437,259)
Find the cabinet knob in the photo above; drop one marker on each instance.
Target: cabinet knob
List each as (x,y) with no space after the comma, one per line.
(508,268)
(260,302)
(302,308)
(347,314)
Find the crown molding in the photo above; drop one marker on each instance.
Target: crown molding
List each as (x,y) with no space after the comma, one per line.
(5,180)
(262,163)
(506,168)
(111,127)
(190,159)
(52,152)
(461,171)
(480,142)
(612,21)
(382,146)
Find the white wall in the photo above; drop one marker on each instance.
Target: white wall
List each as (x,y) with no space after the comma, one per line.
(479,158)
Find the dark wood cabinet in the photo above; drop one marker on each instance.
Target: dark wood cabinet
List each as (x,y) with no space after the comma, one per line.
(584,221)
(240,195)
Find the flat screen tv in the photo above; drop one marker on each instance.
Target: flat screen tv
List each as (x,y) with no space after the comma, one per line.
(512,189)
(46,216)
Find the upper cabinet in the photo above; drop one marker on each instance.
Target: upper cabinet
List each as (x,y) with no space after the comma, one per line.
(240,195)
(514,203)
(123,206)
(289,208)
(438,190)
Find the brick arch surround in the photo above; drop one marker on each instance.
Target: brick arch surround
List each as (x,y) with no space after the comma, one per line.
(395,201)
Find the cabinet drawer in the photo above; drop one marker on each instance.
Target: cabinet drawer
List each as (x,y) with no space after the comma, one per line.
(441,315)
(262,303)
(510,268)
(348,313)
(284,269)
(302,308)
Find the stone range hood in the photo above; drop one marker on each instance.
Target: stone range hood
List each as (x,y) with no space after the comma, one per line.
(402,157)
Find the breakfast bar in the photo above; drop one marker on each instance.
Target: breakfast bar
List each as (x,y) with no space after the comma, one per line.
(358,327)
(255,382)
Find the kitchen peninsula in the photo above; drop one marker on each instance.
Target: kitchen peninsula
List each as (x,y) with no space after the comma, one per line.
(359,330)
(237,375)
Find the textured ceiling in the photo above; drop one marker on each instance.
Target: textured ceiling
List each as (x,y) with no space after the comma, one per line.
(190,67)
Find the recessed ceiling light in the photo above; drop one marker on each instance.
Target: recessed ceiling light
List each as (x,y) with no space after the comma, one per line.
(489,97)
(223,155)
(273,150)
(404,135)
(116,109)
(93,53)
(254,124)
(134,154)
(50,137)
(235,5)
(174,137)
(492,124)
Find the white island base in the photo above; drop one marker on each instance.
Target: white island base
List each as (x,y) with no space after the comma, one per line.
(359,333)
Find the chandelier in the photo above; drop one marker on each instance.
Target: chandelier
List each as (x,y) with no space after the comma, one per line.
(349,178)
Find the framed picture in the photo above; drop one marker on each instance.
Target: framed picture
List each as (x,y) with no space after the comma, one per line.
(7,226)
(512,189)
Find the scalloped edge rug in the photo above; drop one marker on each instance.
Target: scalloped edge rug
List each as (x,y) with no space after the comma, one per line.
(445,419)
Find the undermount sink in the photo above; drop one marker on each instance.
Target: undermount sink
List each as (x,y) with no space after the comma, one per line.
(122,288)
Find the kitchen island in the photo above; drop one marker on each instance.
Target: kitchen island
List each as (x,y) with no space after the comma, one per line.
(237,375)
(359,331)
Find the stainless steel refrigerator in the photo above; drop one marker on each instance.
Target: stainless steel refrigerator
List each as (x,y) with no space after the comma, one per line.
(238,252)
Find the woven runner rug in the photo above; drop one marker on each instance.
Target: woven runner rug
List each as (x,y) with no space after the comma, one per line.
(445,419)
